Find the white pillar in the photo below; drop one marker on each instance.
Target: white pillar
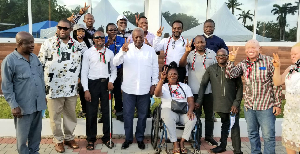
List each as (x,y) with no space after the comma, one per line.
(208,9)
(298,27)
(153,16)
(29,17)
(255,20)
(91,8)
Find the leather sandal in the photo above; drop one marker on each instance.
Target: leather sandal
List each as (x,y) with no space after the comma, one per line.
(90,146)
(176,151)
(183,150)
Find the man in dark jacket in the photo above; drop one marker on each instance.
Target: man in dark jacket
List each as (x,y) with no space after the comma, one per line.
(227,96)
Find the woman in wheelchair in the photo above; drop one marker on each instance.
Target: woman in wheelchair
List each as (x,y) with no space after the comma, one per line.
(177,106)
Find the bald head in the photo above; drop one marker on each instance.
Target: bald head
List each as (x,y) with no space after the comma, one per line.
(253,42)
(252,49)
(89,20)
(295,52)
(199,43)
(222,51)
(21,36)
(25,42)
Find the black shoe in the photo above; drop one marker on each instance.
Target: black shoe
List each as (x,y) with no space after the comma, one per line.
(100,120)
(218,149)
(126,144)
(211,141)
(120,118)
(141,144)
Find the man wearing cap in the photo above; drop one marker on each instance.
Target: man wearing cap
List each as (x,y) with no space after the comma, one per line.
(122,25)
(114,43)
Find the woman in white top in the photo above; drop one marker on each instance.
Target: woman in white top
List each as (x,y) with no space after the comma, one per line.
(181,93)
(79,33)
(291,118)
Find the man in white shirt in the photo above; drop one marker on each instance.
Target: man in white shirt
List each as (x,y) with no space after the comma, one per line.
(60,56)
(140,75)
(198,61)
(97,76)
(173,47)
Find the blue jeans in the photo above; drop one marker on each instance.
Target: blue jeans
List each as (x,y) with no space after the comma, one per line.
(266,120)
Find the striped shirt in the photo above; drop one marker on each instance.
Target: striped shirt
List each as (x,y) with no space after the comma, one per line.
(261,94)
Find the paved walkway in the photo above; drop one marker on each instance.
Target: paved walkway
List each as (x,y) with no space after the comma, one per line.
(8,146)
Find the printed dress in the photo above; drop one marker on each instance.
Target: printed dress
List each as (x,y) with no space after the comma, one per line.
(291,122)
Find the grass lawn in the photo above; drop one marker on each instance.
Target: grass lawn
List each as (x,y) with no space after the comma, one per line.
(6,110)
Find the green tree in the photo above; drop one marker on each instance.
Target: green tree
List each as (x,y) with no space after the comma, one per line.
(268,29)
(291,35)
(16,12)
(282,12)
(131,16)
(245,15)
(233,4)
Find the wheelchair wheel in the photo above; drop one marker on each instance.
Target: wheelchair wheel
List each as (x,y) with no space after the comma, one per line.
(155,127)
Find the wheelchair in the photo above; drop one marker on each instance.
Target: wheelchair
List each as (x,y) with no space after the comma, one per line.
(159,132)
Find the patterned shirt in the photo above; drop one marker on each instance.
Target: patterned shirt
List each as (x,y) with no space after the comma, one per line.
(61,72)
(261,94)
(125,35)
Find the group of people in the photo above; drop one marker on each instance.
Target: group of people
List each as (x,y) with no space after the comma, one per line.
(197,74)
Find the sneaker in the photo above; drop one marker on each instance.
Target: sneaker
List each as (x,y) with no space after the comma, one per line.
(211,141)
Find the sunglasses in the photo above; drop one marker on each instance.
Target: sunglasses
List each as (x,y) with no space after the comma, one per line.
(64,28)
(219,56)
(98,37)
(111,30)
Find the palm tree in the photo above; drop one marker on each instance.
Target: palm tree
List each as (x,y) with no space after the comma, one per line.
(233,4)
(245,15)
(282,12)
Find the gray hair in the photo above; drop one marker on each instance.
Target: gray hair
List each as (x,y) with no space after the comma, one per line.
(138,29)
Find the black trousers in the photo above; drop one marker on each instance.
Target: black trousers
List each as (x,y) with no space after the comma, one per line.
(98,89)
(209,113)
(117,92)
(235,131)
(82,99)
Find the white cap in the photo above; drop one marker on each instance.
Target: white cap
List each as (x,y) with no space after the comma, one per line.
(121,16)
(78,26)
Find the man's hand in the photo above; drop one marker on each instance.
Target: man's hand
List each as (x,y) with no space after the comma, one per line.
(232,54)
(84,9)
(137,19)
(16,112)
(190,115)
(110,41)
(197,105)
(276,60)
(71,18)
(152,88)
(234,109)
(110,86)
(159,32)
(146,41)
(125,45)
(87,96)
(188,47)
(276,111)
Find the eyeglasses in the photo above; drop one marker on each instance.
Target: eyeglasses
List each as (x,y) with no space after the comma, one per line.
(219,56)
(98,37)
(111,30)
(64,28)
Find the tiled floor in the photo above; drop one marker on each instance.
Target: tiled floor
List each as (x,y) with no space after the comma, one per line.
(8,146)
